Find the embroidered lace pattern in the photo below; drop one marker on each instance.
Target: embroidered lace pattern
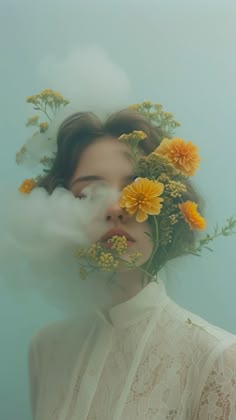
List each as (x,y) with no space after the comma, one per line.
(218,399)
(167,380)
(186,369)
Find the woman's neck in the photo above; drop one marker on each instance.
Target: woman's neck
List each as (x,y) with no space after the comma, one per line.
(126,285)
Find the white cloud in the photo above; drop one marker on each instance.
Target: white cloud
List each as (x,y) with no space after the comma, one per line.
(88,77)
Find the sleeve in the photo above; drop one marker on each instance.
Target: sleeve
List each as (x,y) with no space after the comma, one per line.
(218,399)
(33,377)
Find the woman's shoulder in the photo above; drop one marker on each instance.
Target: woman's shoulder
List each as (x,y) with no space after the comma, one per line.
(52,331)
(192,326)
(59,335)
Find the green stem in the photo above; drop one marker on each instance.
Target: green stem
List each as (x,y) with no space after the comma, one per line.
(155,241)
(45,112)
(130,265)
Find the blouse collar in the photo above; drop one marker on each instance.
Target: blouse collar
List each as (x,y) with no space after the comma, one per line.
(150,297)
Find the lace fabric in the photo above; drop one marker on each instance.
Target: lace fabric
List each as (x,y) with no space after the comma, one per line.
(163,363)
(170,373)
(218,399)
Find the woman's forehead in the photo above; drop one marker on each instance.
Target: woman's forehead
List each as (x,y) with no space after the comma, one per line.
(105,153)
(107,160)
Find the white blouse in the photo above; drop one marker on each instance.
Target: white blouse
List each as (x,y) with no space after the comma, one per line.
(148,358)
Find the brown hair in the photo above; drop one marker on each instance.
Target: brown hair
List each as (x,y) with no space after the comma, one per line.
(83,128)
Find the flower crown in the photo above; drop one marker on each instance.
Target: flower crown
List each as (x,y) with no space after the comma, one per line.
(158,193)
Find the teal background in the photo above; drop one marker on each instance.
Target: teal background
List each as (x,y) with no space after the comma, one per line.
(180,53)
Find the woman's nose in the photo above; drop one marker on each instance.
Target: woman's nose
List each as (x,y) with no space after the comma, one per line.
(116,213)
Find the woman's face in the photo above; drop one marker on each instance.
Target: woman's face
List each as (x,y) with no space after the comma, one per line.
(107,160)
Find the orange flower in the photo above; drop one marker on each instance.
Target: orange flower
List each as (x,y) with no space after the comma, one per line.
(27,186)
(133,138)
(191,215)
(183,155)
(142,196)
(43,127)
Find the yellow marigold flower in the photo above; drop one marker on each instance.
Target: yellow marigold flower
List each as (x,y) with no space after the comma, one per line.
(32,99)
(32,120)
(94,251)
(133,138)
(27,186)
(43,127)
(176,188)
(147,104)
(134,107)
(192,216)
(173,219)
(183,155)
(142,196)
(80,252)
(45,93)
(119,244)
(134,257)
(140,135)
(168,114)
(157,107)
(58,97)
(107,262)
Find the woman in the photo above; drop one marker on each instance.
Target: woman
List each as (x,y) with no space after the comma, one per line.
(143,357)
